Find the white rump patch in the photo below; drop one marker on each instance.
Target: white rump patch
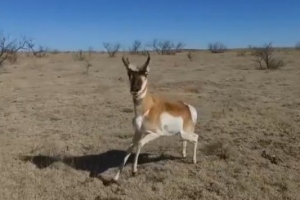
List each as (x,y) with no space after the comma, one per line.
(193,112)
(170,124)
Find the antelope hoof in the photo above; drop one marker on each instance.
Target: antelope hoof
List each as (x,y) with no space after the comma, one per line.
(134,173)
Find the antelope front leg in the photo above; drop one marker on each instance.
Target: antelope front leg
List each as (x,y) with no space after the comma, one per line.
(135,139)
(147,138)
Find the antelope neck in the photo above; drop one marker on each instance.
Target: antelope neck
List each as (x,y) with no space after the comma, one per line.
(140,102)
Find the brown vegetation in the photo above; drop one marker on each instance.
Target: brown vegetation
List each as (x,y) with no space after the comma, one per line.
(264,56)
(216,47)
(166,47)
(9,48)
(111,49)
(60,130)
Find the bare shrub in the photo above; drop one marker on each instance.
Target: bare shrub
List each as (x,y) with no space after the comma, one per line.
(190,55)
(165,47)
(79,55)
(179,47)
(10,47)
(264,57)
(136,47)
(111,49)
(216,47)
(39,52)
(297,46)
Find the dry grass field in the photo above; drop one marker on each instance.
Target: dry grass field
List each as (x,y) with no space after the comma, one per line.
(60,129)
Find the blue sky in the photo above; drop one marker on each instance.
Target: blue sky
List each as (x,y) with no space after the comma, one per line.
(74,24)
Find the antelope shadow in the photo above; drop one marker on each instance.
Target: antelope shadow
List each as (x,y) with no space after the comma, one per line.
(96,163)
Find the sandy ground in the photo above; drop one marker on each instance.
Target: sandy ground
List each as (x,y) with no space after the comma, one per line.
(60,127)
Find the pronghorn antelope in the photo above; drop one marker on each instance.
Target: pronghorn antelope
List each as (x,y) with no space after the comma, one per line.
(155,117)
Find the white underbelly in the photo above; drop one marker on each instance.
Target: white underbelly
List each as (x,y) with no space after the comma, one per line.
(171,125)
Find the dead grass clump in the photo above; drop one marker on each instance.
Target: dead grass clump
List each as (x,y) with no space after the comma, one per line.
(264,56)
(216,47)
(272,158)
(190,55)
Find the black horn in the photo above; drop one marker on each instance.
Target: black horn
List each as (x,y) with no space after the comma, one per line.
(125,61)
(144,67)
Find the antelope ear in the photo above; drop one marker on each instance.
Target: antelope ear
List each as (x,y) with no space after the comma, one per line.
(146,66)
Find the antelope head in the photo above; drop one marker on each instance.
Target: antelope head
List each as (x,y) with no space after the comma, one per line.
(137,76)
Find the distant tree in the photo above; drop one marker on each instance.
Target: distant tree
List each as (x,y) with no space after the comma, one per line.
(10,47)
(265,58)
(179,46)
(39,52)
(136,47)
(111,49)
(216,47)
(165,47)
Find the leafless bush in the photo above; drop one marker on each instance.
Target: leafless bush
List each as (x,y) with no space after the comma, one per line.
(179,46)
(297,46)
(190,55)
(136,47)
(79,55)
(88,64)
(9,48)
(111,49)
(164,47)
(216,47)
(264,57)
(39,52)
